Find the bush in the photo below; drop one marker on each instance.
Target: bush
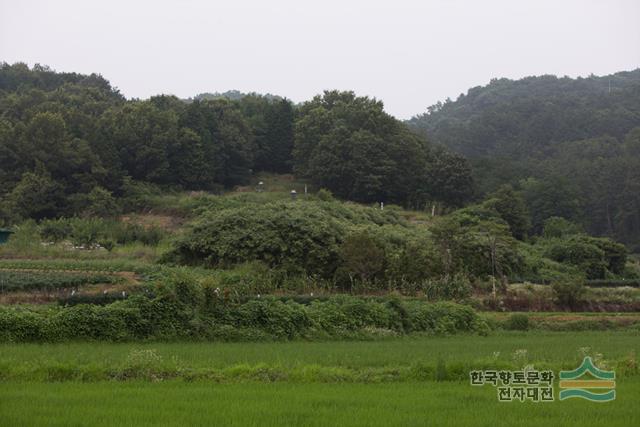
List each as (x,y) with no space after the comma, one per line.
(55,230)
(101,203)
(517,322)
(444,318)
(362,258)
(615,254)
(568,293)
(474,241)
(89,231)
(295,236)
(325,195)
(558,227)
(580,251)
(178,315)
(454,287)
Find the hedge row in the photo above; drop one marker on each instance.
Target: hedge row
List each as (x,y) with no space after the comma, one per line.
(174,316)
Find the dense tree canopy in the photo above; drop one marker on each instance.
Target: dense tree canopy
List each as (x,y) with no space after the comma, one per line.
(349,145)
(569,145)
(569,148)
(75,135)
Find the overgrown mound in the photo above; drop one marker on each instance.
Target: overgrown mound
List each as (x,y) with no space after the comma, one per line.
(298,236)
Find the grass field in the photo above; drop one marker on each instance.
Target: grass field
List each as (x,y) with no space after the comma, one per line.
(558,348)
(177,403)
(28,397)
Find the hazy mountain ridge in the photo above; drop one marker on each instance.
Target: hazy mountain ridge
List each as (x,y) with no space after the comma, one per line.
(506,116)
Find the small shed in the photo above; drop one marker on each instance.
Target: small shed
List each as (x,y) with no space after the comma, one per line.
(4,235)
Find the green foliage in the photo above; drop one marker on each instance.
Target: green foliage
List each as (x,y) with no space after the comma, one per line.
(517,322)
(558,227)
(511,207)
(350,146)
(440,373)
(271,121)
(478,243)
(444,318)
(35,196)
(597,257)
(613,283)
(89,231)
(615,254)
(324,195)
(101,203)
(295,236)
(177,312)
(456,287)
(534,111)
(416,260)
(362,258)
(552,197)
(568,293)
(572,143)
(11,281)
(25,237)
(448,179)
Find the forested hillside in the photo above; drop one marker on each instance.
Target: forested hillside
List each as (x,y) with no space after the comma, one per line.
(71,144)
(571,146)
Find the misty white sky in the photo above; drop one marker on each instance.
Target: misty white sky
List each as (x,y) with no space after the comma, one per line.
(409,54)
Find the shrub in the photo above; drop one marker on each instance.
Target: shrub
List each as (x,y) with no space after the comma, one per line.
(558,227)
(447,287)
(325,195)
(415,261)
(295,236)
(282,320)
(18,325)
(517,322)
(88,231)
(580,251)
(474,241)
(25,238)
(613,283)
(179,314)
(101,203)
(615,254)
(363,258)
(443,318)
(568,293)
(55,230)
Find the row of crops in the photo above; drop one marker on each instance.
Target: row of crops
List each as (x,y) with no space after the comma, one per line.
(12,281)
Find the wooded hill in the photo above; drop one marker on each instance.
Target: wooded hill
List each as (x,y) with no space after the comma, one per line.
(572,146)
(71,144)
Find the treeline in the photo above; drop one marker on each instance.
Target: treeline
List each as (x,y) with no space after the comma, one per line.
(571,147)
(71,144)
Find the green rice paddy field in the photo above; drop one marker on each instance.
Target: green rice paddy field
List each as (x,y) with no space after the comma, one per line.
(408,381)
